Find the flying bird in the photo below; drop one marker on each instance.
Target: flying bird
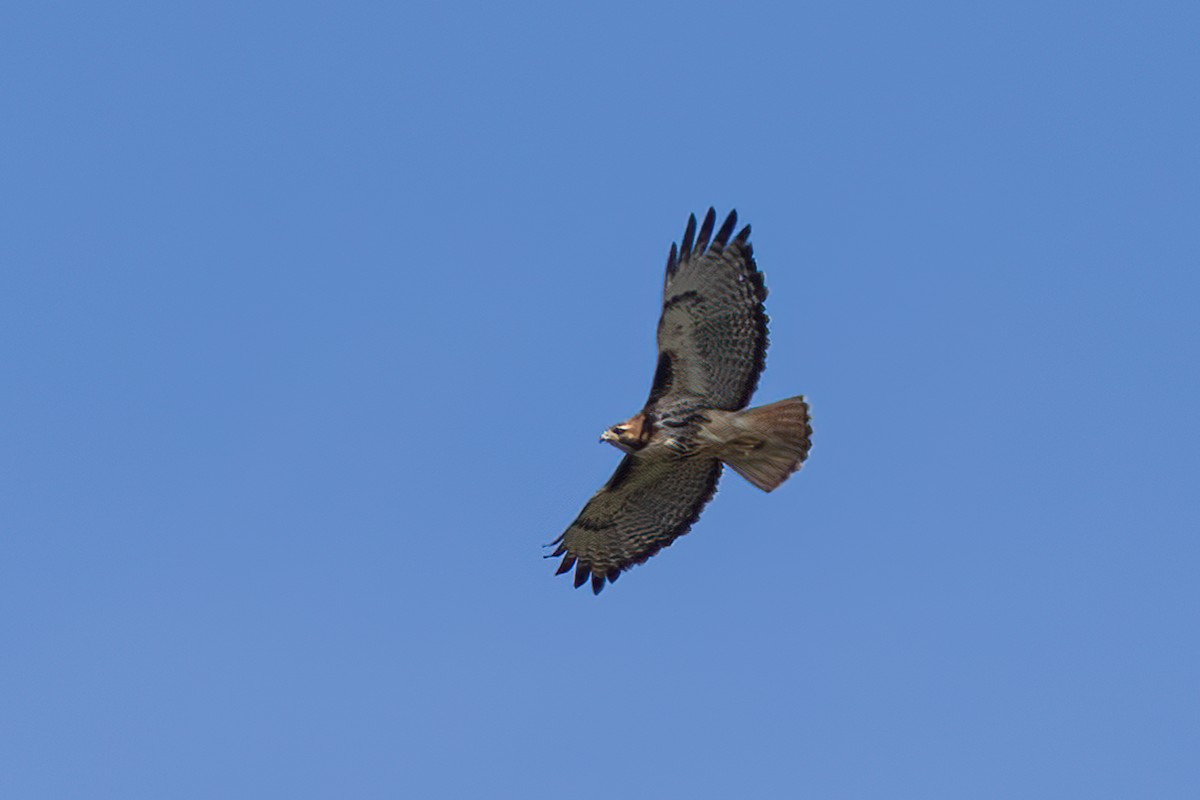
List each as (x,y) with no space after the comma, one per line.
(712,346)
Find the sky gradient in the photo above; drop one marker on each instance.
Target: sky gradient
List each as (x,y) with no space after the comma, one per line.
(311,315)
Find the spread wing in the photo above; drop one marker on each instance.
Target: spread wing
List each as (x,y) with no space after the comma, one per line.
(644,507)
(712,336)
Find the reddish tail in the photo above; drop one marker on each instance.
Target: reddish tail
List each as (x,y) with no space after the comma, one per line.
(771,442)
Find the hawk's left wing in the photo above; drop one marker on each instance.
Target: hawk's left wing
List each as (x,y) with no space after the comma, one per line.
(712,335)
(643,508)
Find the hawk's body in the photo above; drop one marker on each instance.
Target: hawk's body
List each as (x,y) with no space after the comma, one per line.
(712,344)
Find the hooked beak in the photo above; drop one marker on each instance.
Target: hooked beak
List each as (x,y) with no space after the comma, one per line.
(608,436)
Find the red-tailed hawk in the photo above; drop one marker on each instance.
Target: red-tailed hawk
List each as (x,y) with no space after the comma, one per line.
(712,344)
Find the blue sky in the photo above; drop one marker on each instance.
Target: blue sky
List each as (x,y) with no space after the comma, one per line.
(311,315)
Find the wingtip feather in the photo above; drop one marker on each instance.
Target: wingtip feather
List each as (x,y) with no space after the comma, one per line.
(706,229)
(722,237)
(689,235)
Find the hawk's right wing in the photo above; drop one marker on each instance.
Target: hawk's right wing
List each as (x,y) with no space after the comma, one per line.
(643,508)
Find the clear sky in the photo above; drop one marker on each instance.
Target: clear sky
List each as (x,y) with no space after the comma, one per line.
(311,315)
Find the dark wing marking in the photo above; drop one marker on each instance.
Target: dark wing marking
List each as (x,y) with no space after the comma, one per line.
(712,336)
(663,377)
(644,507)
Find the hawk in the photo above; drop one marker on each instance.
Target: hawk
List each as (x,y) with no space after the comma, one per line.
(712,345)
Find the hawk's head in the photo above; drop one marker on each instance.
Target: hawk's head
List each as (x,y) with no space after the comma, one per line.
(630,435)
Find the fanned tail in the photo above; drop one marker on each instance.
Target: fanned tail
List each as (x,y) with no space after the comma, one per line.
(769,443)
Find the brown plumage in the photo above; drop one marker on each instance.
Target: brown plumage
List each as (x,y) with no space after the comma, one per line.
(712,344)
